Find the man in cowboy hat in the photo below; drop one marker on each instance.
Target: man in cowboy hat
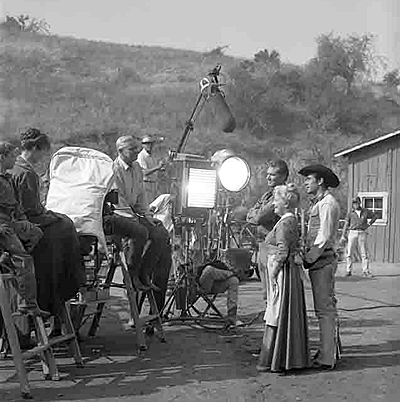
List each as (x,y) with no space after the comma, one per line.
(357,223)
(320,258)
(149,166)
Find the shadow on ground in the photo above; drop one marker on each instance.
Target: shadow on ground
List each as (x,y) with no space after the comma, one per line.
(354,358)
(113,367)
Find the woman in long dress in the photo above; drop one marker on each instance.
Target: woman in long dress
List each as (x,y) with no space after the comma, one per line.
(58,261)
(285,340)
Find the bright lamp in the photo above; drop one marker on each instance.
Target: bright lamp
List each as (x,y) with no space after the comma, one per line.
(233,171)
(201,189)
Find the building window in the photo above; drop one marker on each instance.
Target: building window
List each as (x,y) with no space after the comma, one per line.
(376,202)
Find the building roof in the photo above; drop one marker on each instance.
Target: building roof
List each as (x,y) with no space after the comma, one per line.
(366,144)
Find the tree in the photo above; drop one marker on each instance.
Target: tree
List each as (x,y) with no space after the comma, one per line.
(27,24)
(392,78)
(263,56)
(346,57)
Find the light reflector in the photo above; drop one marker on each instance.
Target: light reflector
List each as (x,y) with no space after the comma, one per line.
(234,173)
(201,188)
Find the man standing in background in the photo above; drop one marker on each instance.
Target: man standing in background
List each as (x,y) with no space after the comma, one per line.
(149,167)
(357,224)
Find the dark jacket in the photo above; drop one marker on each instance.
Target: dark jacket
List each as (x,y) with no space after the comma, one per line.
(27,183)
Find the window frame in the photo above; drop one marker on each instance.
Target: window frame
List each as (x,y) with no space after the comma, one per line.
(377,194)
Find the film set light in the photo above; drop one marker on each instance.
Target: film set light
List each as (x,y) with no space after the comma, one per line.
(201,179)
(195,186)
(233,171)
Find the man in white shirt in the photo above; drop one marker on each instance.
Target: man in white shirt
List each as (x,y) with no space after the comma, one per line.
(123,222)
(133,211)
(149,167)
(320,258)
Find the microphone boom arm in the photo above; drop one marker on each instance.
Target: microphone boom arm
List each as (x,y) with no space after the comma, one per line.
(208,86)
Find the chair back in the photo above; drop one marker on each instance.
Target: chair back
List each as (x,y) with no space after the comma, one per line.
(80,178)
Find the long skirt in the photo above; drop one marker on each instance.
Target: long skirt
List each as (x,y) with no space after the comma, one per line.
(291,349)
(58,262)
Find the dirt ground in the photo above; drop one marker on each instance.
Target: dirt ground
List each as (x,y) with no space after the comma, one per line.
(197,364)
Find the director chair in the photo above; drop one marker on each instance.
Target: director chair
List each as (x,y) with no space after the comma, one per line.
(195,303)
(44,344)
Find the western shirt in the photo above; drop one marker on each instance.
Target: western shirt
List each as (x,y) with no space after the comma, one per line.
(323,222)
(129,183)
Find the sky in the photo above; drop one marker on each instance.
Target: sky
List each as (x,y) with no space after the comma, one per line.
(246,26)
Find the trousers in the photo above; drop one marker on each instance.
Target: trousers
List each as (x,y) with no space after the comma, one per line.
(357,238)
(25,269)
(323,290)
(214,280)
(134,237)
(158,260)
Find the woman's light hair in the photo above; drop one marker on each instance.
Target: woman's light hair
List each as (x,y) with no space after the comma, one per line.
(289,193)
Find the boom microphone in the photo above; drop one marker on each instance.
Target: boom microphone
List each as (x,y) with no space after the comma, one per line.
(226,121)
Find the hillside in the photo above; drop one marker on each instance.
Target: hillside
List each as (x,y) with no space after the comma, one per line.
(86,92)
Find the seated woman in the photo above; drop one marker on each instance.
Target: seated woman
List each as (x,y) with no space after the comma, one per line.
(59,266)
(285,342)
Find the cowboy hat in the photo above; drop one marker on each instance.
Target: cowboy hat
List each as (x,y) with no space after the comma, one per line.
(330,178)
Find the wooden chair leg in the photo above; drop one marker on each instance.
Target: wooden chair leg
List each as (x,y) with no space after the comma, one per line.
(96,319)
(48,361)
(68,328)
(100,306)
(154,310)
(13,341)
(131,293)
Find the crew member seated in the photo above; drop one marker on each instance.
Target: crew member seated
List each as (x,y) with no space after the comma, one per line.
(18,236)
(134,211)
(216,277)
(133,238)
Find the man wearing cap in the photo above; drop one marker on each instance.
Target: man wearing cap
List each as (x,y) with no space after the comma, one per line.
(133,213)
(123,222)
(149,167)
(320,258)
(357,224)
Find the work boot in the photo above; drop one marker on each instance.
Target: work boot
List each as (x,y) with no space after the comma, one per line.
(25,274)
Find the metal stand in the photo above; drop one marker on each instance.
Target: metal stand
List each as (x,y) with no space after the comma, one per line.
(187,291)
